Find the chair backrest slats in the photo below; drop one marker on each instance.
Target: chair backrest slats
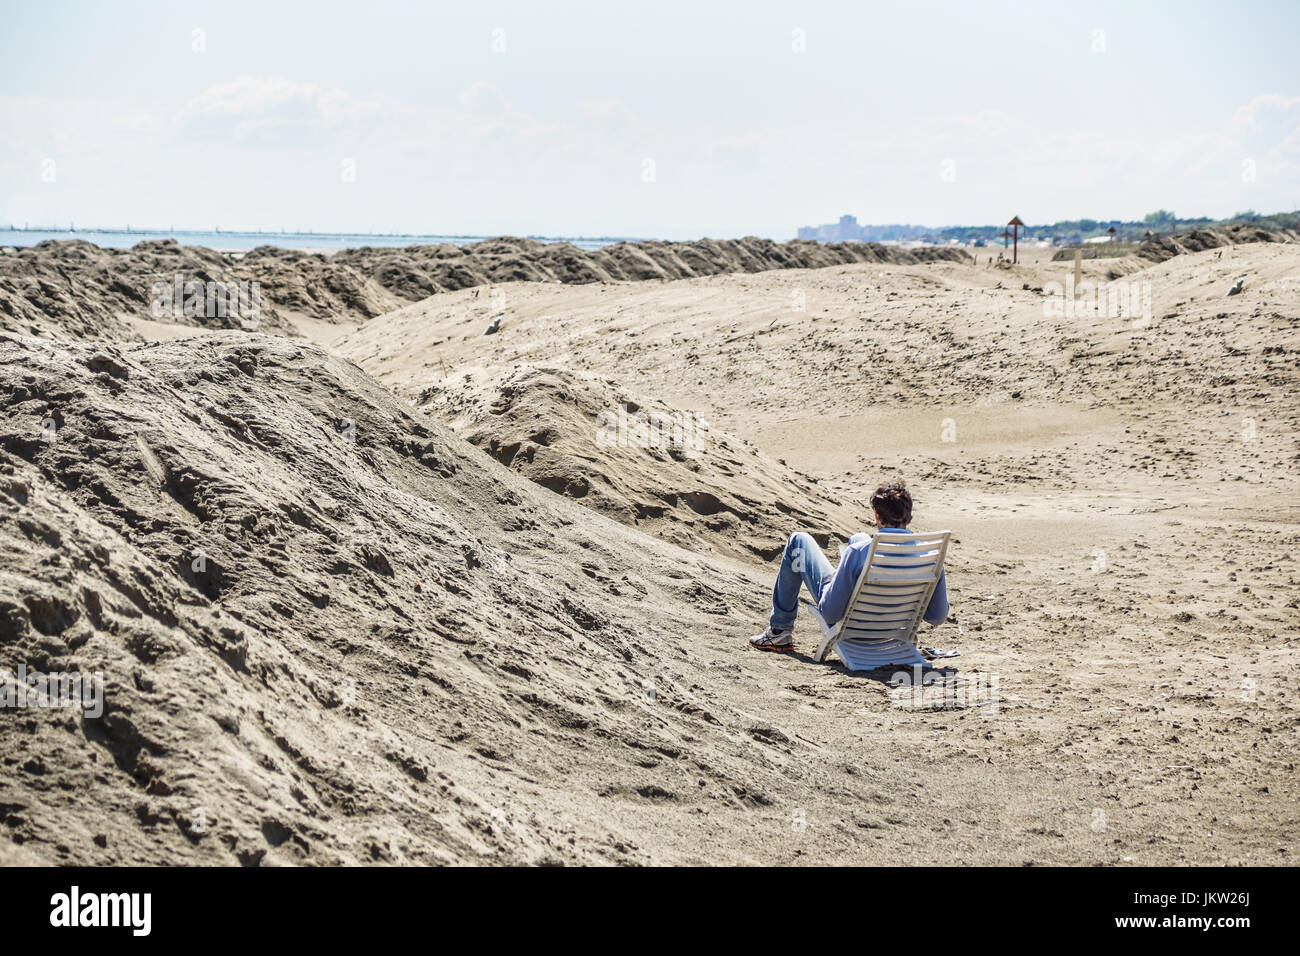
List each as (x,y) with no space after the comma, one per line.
(892,592)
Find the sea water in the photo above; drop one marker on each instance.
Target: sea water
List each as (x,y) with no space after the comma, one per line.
(243,241)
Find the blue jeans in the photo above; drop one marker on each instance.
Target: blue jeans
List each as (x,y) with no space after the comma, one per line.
(802,563)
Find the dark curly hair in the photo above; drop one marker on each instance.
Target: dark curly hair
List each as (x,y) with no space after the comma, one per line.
(893,503)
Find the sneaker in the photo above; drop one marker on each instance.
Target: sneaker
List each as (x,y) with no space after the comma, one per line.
(773,640)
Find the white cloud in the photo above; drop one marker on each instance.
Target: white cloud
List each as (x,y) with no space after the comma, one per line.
(265,151)
(274,110)
(1263,111)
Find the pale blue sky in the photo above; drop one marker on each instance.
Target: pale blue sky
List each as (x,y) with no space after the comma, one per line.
(401,116)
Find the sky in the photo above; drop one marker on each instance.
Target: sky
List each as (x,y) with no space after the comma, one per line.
(664,119)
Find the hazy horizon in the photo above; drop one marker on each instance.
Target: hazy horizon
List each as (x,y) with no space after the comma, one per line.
(674,121)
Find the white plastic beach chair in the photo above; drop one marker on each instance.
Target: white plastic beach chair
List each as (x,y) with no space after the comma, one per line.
(884,614)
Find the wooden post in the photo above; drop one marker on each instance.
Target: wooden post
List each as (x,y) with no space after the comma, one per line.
(1015,225)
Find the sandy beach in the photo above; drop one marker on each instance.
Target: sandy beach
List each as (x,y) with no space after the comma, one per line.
(437,619)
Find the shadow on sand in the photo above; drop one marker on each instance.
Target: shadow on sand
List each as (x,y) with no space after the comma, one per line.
(890,675)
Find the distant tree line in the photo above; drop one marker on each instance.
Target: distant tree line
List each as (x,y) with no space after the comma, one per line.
(1162,222)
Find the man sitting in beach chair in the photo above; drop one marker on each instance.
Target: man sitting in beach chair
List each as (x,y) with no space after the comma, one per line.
(803,563)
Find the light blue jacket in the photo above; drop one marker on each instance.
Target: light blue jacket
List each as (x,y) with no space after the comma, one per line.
(853,557)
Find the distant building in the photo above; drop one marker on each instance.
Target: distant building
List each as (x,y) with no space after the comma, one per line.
(846,230)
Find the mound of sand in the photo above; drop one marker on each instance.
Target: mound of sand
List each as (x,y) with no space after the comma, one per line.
(418,271)
(315,286)
(328,632)
(72,289)
(660,469)
(1198,240)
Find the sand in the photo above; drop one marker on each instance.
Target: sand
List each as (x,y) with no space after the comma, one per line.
(472,633)
(73,289)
